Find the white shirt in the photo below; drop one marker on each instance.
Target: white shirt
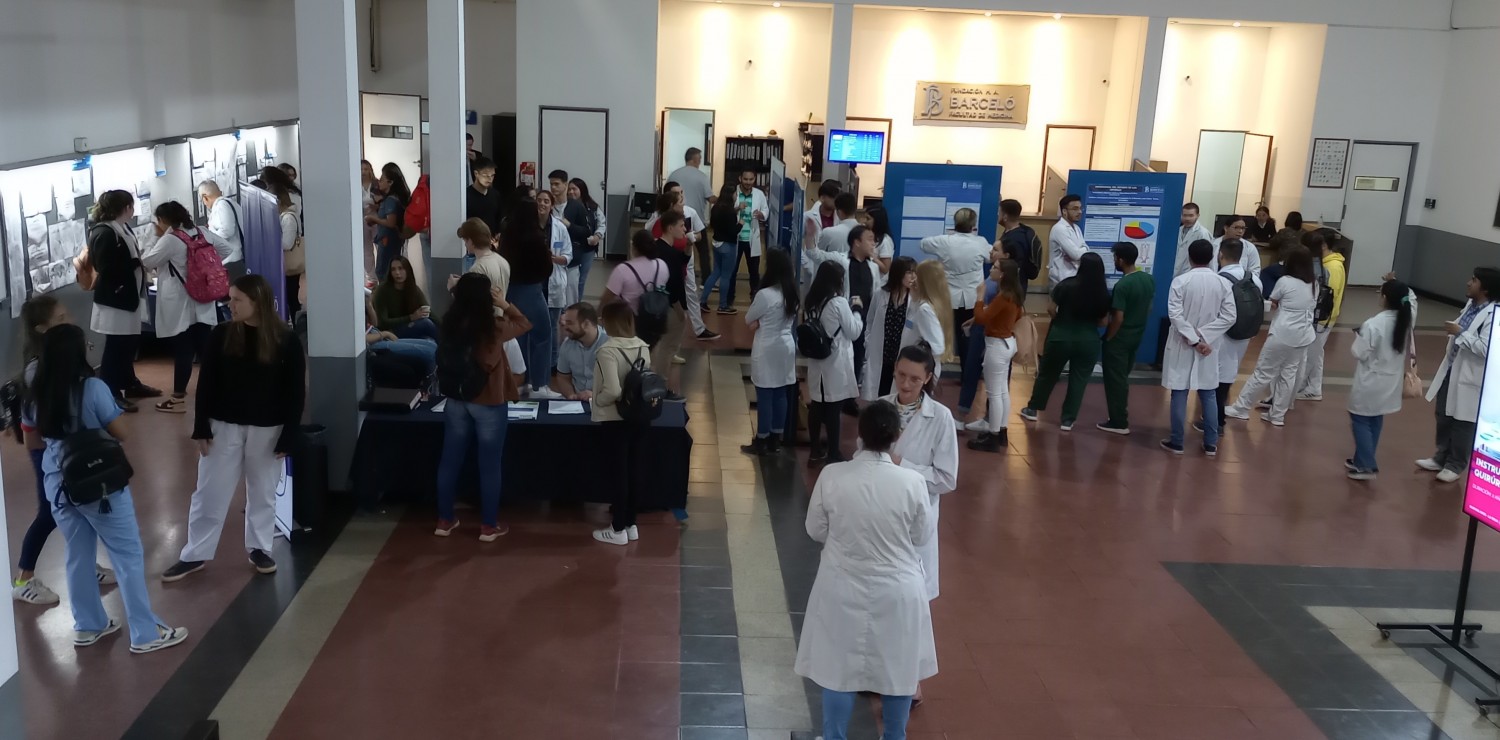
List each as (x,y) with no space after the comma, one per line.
(929,445)
(886,249)
(1232,351)
(175,309)
(1249,258)
(773,352)
(836,237)
(1201,308)
(1185,238)
(1067,247)
(832,378)
(695,186)
(1380,370)
(224,221)
(1296,302)
(871,517)
(963,257)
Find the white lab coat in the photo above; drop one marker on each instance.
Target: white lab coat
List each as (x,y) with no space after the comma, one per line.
(1467,367)
(757,205)
(1249,257)
(929,446)
(1067,247)
(963,257)
(1200,307)
(812,226)
(868,625)
(1232,351)
(224,220)
(818,257)
(557,284)
(773,352)
(175,309)
(835,239)
(832,378)
(1381,370)
(921,323)
(1185,238)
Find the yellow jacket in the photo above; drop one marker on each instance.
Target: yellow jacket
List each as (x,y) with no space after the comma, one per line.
(1333,264)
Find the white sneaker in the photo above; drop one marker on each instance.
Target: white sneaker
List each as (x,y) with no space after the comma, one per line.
(981,425)
(34,592)
(1235,412)
(1272,422)
(85,638)
(105,576)
(1309,396)
(609,536)
(632,533)
(545,394)
(169,636)
(1447,476)
(679,360)
(1429,465)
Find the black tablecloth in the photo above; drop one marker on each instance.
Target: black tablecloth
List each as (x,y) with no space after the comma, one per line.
(549,458)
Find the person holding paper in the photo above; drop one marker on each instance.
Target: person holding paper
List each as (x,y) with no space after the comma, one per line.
(1066,241)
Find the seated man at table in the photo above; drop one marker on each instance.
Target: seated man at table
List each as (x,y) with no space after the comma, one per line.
(575,358)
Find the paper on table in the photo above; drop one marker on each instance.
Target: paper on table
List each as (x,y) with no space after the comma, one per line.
(522,410)
(438,407)
(564,408)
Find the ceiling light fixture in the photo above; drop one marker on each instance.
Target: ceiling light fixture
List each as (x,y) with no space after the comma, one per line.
(1236,24)
(988,14)
(775,5)
(1057,16)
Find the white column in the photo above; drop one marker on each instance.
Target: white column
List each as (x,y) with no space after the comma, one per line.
(445,112)
(328,101)
(838,65)
(1145,111)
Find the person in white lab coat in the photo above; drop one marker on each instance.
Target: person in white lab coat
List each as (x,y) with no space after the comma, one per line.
(1249,255)
(1201,308)
(836,237)
(1455,388)
(773,352)
(885,246)
(562,254)
(831,380)
(1294,298)
(963,254)
(896,319)
(1190,232)
(1065,243)
(1381,347)
(822,215)
(178,317)
(868,625)
(1232,353)
(750,205)
(224,220)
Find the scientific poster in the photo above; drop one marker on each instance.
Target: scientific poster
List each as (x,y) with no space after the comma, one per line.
(82,183)
(928,207)
(41,280)
(1123,213)
(36,197)
(62,273)
(1482,493)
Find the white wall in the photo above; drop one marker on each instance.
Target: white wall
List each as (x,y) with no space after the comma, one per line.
(1211,78)
(489,52)
(1117,135)
(759,68)
(597,55)
(1429,14)
(1364,71)
(119,73)
(1065,62)
(1294,53)
(1466,164)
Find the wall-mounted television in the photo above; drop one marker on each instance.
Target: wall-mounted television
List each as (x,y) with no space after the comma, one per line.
(856,147)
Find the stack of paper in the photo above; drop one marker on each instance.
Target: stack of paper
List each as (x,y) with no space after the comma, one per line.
(523,410)
(564,408)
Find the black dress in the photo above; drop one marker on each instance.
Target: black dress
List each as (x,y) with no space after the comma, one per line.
(895,324)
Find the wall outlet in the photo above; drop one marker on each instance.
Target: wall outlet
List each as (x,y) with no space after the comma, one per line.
(80,144)
(1430,203)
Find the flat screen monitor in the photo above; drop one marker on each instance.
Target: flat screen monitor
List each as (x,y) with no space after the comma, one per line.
(856,147)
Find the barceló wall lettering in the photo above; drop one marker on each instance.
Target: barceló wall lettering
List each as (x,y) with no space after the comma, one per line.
(963,104)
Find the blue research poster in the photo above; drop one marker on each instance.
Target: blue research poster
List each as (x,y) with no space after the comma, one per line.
(1125,212)
(927,209)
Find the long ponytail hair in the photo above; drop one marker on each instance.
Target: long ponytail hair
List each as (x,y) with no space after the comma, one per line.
(60,373)
(1397,297)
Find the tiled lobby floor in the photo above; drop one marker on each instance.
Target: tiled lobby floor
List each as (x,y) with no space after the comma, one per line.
(1093,588)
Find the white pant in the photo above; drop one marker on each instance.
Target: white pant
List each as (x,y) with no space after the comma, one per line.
(1310,377)
(997,357)
(238,453)
(1277,369)
(694,309)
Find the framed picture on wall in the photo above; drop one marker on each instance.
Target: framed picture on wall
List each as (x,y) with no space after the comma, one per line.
(1330,161)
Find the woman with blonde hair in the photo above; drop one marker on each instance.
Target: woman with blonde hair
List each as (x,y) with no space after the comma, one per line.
(931,294)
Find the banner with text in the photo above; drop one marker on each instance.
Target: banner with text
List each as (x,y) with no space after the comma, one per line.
(1482,494)
(963,104)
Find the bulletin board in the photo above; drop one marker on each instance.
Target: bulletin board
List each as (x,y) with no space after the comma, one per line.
(44,207)
(1142,208)
(1330,162)
(922,198)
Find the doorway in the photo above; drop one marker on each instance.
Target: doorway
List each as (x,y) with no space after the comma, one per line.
(1231,173)
(575,140)
(1375,207)
(392,132)
(682,129)
(1065,148)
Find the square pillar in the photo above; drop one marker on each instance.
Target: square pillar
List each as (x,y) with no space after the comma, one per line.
(1145,111)
(448,164)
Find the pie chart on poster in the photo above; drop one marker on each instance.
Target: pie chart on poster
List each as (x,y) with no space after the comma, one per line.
(1138,230)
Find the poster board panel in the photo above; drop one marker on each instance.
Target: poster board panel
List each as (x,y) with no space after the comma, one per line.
(922,198)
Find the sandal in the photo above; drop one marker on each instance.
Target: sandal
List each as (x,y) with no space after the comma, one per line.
(173,406)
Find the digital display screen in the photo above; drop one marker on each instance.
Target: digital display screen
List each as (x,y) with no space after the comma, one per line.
(856,147)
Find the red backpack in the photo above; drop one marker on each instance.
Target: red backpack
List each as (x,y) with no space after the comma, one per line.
(207,281)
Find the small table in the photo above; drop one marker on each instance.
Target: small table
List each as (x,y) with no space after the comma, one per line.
(549,458)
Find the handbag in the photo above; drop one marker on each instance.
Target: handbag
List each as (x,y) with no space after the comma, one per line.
(1411,383)
(294,261)
(92,463)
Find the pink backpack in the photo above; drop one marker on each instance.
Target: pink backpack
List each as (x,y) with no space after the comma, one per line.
(207,281)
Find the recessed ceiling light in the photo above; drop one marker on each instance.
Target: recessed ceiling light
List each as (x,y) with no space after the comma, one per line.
(1236,24)
(988,14)
(775,5)
(1057,16)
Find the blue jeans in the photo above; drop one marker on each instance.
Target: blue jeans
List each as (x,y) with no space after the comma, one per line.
(386,250)
(838,706)
(1210,407)
(972,370)
(419,329)
(422,349)
(1366,439)
(770,411)
(83,527)
(555,316)
(584,263)
(466,424)
(536,345)
(726,264)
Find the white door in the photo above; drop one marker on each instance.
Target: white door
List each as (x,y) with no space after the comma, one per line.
(685,128)
(575,141)
(1374,197)
(392,132)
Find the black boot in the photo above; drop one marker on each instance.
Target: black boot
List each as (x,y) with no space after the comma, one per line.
(757,446)
(985,442)
(773,445)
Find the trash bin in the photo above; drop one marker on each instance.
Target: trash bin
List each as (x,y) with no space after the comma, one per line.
(310,475)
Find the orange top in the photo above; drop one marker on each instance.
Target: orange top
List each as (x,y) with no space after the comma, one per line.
(998,317)
(502,385)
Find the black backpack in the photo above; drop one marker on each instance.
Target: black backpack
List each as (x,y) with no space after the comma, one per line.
(1249,308)
(93,464)
(812,340)
(642,393)
(1324,309)
(651,313)
(1035,268)
(459,374)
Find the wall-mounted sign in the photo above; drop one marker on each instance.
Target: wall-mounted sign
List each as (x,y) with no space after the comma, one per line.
(1330,159)
(963,104)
